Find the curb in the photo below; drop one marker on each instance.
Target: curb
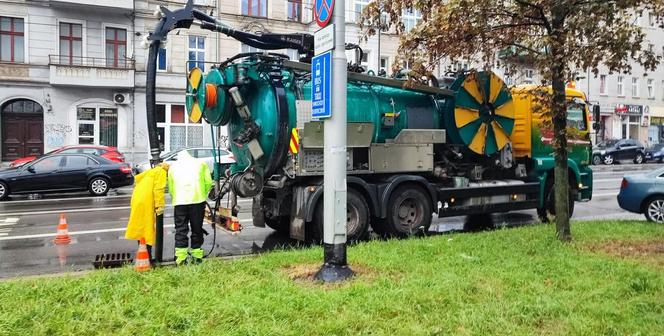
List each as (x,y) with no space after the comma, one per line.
(626,167)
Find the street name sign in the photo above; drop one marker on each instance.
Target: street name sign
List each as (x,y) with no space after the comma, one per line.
(324,40)
(323,12)
(321,78)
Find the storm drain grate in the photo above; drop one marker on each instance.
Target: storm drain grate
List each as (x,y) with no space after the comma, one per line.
(111,260)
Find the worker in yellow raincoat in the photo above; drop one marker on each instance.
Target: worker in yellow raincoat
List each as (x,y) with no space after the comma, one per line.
(147,201)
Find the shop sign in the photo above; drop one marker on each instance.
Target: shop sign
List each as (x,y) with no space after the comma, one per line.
(629,109)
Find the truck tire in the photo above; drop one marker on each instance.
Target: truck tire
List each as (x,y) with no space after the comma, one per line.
(357,218)
(479,222)
(280,224)
(408,213)
(550,205)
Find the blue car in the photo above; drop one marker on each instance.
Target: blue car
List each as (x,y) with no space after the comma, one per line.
(655,153)
(644,193)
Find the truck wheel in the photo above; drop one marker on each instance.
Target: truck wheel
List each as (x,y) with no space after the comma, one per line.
(550,203)
(597,160)
(478,222)
(357,218)
(639,158)
(408,212)
(280,224)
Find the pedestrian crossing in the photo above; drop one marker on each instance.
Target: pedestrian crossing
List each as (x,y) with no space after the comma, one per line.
(6,223)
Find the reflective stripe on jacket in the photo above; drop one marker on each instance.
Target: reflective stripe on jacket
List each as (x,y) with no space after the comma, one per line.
(189,180)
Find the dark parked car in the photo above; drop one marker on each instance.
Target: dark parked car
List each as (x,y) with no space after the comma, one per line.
(611,151)
(644,193)
(65,172)
(655,153)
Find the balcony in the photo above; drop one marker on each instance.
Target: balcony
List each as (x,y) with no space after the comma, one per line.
(91,71)
(122,5)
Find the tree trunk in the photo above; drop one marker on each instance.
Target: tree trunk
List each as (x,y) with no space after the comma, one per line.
(559,111)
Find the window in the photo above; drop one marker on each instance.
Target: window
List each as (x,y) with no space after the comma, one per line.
(196,52)
(12,40)
(97,126)
(116,47)
(359,7)
(411,19)
(602,84)
(161,59)
(576,116)
(651,19)
(528,76)
(651,48)
(651,88)
(662,88)
(635,87)
(384,66)
(294,10)
(176,130)
(621,87)
(254,8)
(47,164)
(76,161)
(71,43)
(22,106)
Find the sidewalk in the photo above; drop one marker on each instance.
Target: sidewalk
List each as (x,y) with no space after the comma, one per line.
(620,167)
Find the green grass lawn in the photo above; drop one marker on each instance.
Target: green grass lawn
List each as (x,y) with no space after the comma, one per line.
(608,281)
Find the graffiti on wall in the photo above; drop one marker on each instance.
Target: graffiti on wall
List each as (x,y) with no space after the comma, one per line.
(56,134)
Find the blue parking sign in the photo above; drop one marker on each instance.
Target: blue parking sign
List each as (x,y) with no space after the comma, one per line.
(321,85)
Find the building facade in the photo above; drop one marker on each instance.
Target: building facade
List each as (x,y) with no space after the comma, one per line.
(73,71)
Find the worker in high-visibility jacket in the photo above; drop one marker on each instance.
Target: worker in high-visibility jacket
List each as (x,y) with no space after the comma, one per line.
(189,181)
(147,201)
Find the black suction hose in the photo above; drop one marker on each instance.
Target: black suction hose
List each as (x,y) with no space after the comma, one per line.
(153,137)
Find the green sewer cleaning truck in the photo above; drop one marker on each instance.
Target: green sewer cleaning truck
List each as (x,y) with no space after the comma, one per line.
(470,146)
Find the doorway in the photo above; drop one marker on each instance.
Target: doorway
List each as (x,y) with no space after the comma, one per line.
(22,129)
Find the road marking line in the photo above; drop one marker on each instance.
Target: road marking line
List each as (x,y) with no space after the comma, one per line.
(604,195)
(66,199)
(46,212)
(75,233)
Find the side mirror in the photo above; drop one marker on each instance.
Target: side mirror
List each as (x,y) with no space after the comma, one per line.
(596,116)
(31,169)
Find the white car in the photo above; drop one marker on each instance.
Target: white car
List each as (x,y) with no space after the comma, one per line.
(203,153)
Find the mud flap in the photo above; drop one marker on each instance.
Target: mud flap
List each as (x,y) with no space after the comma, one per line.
(297,227)
(257,211)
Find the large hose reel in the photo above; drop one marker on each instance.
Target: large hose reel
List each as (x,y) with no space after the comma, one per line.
(483,112)
(207,98)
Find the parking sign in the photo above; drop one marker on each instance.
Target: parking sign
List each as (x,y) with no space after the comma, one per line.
(321,82)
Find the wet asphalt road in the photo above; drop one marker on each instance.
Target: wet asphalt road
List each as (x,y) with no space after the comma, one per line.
(96,225)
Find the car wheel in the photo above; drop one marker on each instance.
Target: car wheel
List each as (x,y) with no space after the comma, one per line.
(608,159)
(639,158)
(597,160)
(98,186)
(654,209)
(4,191)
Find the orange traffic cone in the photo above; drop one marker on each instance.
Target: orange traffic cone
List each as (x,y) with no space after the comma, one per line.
(142,261)
(62,237)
